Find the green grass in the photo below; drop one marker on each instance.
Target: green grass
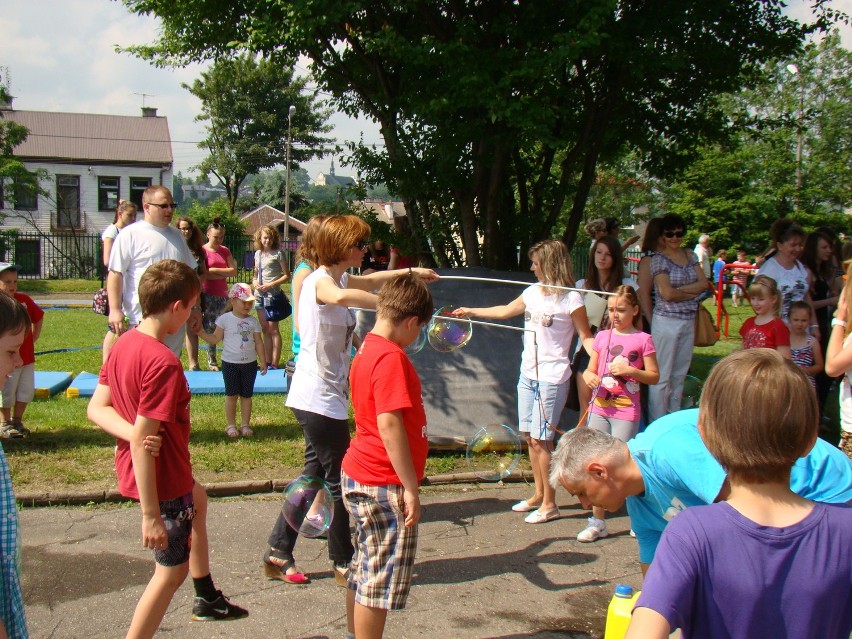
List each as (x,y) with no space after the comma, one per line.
(58,286)
(67,452)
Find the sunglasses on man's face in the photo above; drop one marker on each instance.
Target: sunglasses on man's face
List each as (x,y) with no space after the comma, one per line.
(362,245)
(671,234)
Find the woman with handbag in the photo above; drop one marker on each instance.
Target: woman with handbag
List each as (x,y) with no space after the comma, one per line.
(125,215)
(270,272)
(679,284)
(214,290)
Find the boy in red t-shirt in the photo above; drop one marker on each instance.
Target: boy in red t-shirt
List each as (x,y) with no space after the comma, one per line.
(386,460)
(141,394)
(19,389)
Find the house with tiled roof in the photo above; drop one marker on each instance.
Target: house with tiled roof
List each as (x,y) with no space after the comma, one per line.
(89,161)
(266,215)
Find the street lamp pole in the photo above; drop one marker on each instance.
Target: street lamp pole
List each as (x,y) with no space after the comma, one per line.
(287,186)
(794,70)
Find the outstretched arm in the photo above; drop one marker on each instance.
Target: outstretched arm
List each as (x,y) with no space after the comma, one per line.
(512,309)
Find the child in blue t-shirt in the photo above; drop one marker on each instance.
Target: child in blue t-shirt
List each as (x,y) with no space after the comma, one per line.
(766,562)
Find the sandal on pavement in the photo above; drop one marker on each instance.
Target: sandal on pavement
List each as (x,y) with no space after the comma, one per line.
(541,516)
(275,571)
(523,506)
(232,431)
(246,431)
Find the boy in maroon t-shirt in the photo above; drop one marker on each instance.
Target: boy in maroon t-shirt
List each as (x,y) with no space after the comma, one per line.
(142,396)
(385,462)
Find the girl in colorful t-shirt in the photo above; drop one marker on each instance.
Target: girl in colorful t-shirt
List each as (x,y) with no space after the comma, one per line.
(804,348)
(765,329)
(623,357)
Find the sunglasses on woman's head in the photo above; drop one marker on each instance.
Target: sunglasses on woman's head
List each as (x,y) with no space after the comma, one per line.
(671,234)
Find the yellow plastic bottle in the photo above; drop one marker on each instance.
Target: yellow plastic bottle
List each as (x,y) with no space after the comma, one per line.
(618,613)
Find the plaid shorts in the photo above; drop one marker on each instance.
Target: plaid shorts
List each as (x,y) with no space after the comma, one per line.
(380,573)
(177,517)
(846,442)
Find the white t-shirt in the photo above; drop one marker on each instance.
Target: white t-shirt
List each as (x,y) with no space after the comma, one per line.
(550,317)
(703,256)
(846,395)
(792,282)
(110,232)
(321,381)
(238,344)
(135,249)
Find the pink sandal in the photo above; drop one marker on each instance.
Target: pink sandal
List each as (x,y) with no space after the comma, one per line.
(231,431)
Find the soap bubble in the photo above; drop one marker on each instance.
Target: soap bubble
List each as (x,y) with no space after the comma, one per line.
(494,452)
(691,392)
(308,506)
(417,345)
(448,333)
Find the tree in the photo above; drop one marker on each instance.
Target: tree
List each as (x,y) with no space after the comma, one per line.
(735,190)
(495,114)
(245,102)
(13,172)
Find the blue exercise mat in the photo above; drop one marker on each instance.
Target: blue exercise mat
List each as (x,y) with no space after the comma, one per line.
(200,383)
(48,383)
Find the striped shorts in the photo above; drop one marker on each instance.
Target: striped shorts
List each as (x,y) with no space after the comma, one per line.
(380,573)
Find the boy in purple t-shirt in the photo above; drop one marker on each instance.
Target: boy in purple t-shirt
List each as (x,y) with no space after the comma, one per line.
(765,563)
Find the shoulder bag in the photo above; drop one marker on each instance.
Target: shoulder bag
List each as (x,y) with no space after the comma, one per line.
(276,307)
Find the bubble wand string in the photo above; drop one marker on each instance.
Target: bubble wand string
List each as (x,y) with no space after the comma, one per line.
(490,279)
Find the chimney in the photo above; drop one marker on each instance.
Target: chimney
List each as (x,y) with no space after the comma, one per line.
(149,112)
(389,210)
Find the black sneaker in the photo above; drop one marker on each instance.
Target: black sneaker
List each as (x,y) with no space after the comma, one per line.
(217,610)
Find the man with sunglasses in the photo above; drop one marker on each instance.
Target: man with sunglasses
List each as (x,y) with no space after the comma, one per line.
(702,252)
(140,245)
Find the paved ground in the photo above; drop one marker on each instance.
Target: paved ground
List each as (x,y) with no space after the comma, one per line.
(481,572)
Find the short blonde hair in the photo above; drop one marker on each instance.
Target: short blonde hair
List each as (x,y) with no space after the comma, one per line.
(307,251)
(336,237)
(763,286)
(758,415)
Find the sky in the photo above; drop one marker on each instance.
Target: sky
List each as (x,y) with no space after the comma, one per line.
(60,56)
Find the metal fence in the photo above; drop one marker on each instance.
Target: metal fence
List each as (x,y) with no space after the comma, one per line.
(78,255)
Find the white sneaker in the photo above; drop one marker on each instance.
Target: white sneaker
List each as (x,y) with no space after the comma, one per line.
(595,530)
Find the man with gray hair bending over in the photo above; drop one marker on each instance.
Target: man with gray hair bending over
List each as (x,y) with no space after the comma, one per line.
(667,469)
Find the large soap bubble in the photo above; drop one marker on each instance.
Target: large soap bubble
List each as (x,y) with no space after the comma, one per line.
(494,452)
(448,333)
(308,506)
(417,345)
(691,392)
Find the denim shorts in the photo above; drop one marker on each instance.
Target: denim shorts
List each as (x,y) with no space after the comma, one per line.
(177,517)
(540,406)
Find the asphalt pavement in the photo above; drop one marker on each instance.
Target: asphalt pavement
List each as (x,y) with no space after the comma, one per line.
(480,572)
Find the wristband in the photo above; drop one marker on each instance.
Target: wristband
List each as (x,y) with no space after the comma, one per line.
(838,322)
